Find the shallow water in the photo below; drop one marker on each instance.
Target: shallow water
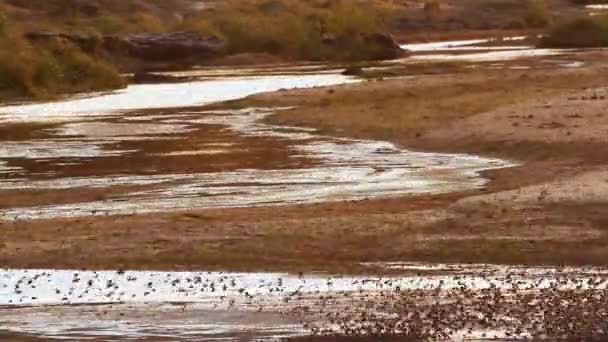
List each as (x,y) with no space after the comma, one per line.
(95,127)
(138,97)
(505,55)
(221,304)
(471,44)
(478,50)
(349,170)
(597,7)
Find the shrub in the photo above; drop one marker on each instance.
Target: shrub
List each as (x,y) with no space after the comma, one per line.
(537,13)
(48,71)
(579,33)
(307,29)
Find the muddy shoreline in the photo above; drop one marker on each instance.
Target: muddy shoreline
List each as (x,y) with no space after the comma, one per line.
(549,121)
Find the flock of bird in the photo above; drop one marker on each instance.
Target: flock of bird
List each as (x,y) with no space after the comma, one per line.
(568,309)
(555,306)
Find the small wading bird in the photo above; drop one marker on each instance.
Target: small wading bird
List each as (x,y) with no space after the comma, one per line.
(557,305)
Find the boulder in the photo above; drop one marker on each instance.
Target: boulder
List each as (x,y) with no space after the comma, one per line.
(170,46)
(381,46)
(147,46)
(353,71)
(143,77)
(385,45)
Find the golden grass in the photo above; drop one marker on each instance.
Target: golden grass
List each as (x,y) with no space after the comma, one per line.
(311,29)
(46,71)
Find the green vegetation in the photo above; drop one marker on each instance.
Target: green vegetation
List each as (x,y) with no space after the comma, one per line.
(579,33)
(306,29)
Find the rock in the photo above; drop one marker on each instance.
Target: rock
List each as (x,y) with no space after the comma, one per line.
(380,46)
(353,71)
(387,47)
(151,78)
(170,46)
(147,46)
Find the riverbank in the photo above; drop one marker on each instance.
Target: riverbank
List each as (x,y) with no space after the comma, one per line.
(545,211)
(111,37)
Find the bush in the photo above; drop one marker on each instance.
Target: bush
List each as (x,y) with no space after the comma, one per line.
(579,33)
(306,29)
(537,13)
(46,72)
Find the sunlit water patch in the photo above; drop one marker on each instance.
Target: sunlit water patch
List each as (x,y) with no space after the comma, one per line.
(491,55)
(471,44)
(136,304)
(164,96)
(350,170)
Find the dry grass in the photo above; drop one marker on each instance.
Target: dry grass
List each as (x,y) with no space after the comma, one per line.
(297,29)
(46,71)
(579,33)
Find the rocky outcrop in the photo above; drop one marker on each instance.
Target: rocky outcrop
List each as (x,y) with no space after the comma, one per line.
(170,46)
(353,71)
(146,46)
(385,45)
(378,46)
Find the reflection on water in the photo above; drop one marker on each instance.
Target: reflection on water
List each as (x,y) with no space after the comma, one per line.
(491,55)
(200,305)
(349,170)
(165,96)
(471,44)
